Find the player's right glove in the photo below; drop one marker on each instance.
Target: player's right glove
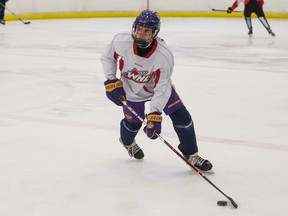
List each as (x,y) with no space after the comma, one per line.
(229,10)
(153,125)
(115,90)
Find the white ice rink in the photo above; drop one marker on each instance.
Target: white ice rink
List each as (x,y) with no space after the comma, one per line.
(59,149)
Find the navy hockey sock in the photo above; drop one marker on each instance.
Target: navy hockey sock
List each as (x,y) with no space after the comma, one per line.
(183,125)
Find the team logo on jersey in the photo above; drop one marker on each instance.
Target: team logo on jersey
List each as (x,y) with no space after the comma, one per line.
(128,116)
(137,76)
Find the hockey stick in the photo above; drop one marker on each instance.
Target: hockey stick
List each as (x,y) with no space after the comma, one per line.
(28,22)
(217,10)
(123,100)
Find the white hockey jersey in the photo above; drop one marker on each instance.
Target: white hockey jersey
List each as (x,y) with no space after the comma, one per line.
(144,78)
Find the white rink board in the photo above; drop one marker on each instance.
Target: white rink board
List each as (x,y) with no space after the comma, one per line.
(58,6)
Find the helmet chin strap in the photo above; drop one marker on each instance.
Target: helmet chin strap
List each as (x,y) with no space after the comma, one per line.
(142,43)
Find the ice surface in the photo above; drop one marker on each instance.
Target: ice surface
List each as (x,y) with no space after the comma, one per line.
(59,149)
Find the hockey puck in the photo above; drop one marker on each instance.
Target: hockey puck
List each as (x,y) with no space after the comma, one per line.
(222,203)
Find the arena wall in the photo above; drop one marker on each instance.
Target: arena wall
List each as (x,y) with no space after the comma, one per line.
(121,8)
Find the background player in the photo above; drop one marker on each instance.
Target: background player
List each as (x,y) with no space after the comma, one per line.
(2,11)
(252,6)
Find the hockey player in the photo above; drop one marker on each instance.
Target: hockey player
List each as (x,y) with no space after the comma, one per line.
(146,65)
(251,6)
(2,11)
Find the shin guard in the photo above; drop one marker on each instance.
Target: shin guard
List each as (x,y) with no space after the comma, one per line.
(128,131)
(184,127)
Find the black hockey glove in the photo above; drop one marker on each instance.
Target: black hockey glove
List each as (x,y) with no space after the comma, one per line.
(229,10)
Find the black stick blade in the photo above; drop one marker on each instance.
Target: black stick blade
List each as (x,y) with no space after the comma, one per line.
(233,203)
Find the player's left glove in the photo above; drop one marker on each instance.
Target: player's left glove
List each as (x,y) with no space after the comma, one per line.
(153,126)
(115,90)
(229,10)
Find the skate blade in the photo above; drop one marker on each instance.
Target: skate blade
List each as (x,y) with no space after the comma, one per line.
(210,172)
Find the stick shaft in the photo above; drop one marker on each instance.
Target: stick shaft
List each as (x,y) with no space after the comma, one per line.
(221,10)
(123,100)
(28,22)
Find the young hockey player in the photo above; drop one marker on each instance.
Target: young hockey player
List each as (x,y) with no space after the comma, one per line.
(252,6)
(146,65)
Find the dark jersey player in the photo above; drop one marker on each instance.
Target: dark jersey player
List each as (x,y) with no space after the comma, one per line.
(2,11)
(252,6)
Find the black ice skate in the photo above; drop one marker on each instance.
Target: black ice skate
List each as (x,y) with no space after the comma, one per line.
(199,162)
(271,33)
(2,21)
(250,32)
(133,150)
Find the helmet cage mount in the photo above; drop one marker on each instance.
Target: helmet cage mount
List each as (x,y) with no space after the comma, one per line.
(148,19)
